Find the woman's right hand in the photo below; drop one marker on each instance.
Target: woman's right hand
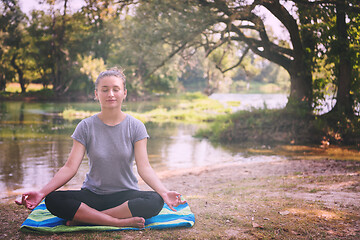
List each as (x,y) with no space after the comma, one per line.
(30,199)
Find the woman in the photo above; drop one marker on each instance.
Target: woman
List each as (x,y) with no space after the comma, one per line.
(110,195)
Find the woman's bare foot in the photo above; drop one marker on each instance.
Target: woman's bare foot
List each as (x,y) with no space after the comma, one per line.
(137,222)
(73,223)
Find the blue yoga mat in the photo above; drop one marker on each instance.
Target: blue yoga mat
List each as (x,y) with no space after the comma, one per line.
(41,220)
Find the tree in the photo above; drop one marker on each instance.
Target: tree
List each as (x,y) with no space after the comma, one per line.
(14,42)
(219,21)
(58,50)
(242,22)
(102,22)
(337,24)
(48,31)
(58,38)
(150,43)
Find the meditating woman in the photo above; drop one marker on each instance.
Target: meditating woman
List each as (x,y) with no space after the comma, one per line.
(110,194)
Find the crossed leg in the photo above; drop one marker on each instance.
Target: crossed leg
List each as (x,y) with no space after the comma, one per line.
(123,209)
(119,216)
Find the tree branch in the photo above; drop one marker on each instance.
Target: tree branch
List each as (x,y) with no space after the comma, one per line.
(255,46)
(237,64)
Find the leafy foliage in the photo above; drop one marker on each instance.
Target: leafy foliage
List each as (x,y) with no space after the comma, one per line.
(171,46)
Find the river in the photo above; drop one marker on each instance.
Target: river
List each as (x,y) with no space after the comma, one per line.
(35,142)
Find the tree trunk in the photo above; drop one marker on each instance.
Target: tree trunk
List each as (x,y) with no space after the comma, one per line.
(344,101)
(20,74)
(300,68)
(301,85)
(299,64)
(2,82)
(58,55)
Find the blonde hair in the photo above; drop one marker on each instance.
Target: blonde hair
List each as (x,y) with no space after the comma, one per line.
(116,72)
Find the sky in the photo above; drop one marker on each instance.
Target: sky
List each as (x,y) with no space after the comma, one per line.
(28,5)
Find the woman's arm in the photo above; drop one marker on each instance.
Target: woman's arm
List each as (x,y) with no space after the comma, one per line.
(149,176)
(68,171)
(65,174)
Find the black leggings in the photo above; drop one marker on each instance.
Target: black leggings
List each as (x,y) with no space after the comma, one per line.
(64,204)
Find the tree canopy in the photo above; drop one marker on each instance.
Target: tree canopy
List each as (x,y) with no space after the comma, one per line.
(165,46)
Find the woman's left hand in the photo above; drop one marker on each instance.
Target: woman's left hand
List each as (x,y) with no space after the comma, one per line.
(173,199)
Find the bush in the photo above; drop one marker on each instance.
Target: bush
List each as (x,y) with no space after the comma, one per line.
(264,127)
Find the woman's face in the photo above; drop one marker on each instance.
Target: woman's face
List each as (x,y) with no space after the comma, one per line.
(110,92)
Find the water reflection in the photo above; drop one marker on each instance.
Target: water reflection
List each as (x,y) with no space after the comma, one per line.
(249,101)
(35,143)
(172,147)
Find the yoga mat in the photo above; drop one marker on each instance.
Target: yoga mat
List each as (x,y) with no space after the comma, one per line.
(41,220)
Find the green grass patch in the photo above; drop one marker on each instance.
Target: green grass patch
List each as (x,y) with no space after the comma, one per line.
(33,91)
(233,103)
(189,108)
(314,190)
(264,126)
(32,87)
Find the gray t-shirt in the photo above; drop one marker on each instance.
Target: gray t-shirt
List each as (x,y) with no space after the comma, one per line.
(110,150)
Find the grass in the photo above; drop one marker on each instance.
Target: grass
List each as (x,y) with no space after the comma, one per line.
(34,91)
(188,108)
(264,126)
(281,126)
(32,87)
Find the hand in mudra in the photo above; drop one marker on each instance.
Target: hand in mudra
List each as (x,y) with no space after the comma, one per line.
(30,199)
(173,199)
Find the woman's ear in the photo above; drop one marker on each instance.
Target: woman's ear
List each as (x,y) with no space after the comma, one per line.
(125,94)
(96,96)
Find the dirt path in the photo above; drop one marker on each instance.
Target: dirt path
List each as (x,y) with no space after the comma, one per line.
(294,199)
(334,182)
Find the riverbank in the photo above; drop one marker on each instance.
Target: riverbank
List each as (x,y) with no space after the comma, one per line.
(283,126)
(291,199)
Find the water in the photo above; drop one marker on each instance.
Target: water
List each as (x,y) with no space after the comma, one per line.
(35,143)
(250,101)
(271,101)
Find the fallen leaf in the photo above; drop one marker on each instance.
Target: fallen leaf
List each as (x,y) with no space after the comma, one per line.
(283,213)
(255,225)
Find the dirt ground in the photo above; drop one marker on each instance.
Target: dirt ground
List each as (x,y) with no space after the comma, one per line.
(287,199)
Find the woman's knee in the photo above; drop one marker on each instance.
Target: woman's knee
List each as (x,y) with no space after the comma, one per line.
(158,203)
(61,205)
(148,206)
(51,201)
